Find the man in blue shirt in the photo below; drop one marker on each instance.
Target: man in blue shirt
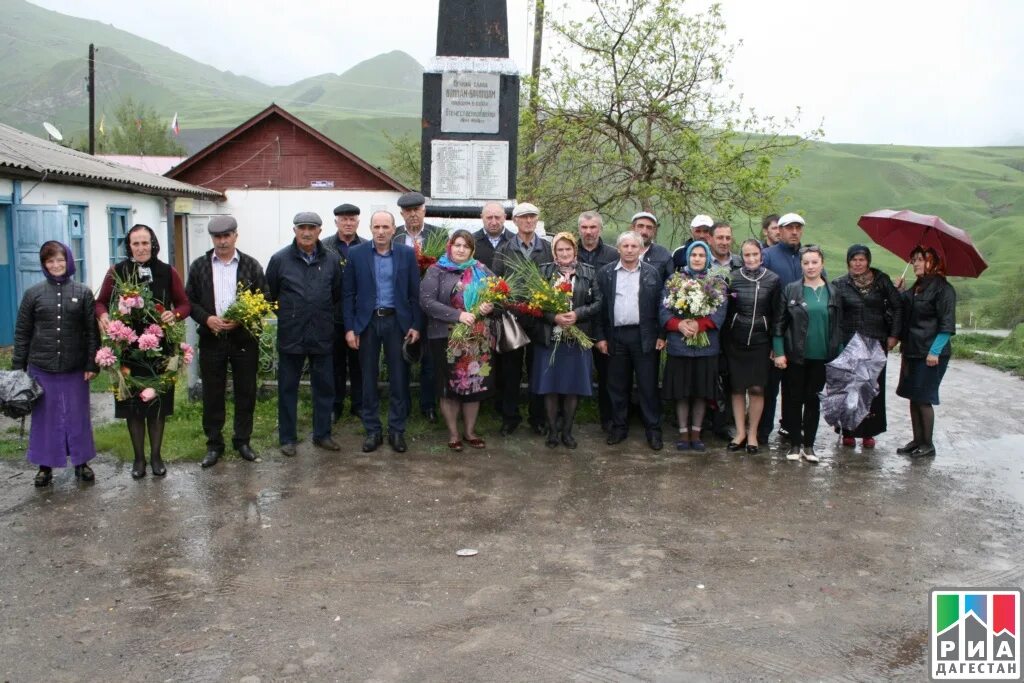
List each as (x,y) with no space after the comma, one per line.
(783,259)
(381,312)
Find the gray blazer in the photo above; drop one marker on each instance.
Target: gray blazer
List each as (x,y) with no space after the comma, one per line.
(436,300)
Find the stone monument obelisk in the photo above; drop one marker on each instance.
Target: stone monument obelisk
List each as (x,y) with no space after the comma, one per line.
(470,111)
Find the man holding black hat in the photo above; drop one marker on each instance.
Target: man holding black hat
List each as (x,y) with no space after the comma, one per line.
(382,312)
(213,282)
(346,360)
(413,206)
(305,281)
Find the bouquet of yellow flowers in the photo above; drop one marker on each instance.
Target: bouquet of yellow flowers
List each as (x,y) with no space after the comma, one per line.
(538,296)
(249,310)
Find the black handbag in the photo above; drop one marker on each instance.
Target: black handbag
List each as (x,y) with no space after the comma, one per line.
(508,333)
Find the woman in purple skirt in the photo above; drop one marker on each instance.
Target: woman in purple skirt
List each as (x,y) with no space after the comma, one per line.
(55,340)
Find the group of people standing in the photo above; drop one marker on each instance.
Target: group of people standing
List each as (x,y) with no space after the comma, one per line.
(344,301)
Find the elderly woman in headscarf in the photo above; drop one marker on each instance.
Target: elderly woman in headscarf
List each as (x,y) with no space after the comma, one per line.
(929,321)
(562,371)
(449,295)
(691,371)
(753,307)
(55,340)
(871,306)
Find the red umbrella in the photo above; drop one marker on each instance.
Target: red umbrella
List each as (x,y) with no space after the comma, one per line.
(901,231)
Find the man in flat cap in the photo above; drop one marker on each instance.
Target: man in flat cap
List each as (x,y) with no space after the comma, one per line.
(382,311)
(524,245)
(413,206)
(213,282)
(346,360)
(305,281)
(645,224)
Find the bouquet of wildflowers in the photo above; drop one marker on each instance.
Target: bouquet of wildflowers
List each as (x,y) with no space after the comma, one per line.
(250,309)
(137,338)
(434,247)
(694,296)
(494,290)
(537,295)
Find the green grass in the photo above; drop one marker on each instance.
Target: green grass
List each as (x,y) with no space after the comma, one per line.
(1003,354)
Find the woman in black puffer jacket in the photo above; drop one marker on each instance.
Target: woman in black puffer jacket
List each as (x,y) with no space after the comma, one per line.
(753,309)
(55,340)
(871,306)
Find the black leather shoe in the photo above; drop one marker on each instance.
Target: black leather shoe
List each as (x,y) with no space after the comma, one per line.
(372,442)
(210,459)
(732,447)
(43,477)
(245,452)
(508,428)
(568,441)
(908,449)
(538,427)
(156,465)
(84,472)
(655,442)
(430,415)
(327,444)
(288,450)
(397,441)
(614,438)
(552,440)
(925,450)
(139,469)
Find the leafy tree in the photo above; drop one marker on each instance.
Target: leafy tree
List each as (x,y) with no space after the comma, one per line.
(139,130)
(635,113)
(403,159)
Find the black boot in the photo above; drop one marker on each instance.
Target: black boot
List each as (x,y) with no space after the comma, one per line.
(552,440)
(567,438)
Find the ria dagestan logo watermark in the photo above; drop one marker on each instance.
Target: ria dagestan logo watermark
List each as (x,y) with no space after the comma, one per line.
(975,634)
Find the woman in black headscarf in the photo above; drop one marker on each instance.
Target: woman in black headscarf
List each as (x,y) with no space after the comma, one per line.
(871,306)
(753,307)
(168,292)
(55,341)
(929,321)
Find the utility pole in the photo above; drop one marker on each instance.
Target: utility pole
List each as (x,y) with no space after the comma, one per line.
(538,41)
(92,98)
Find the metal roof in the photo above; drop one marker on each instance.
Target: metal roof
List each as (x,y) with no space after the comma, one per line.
(24,155)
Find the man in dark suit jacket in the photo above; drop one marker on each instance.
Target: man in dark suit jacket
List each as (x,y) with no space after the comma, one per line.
(632,337)
(413,206)
(346,360)
(305,281)
(381,311)
(595,253)
(213,281)
(492,235)
(524,245)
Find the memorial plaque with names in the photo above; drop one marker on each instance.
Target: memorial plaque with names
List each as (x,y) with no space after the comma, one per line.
(469,169)
(469,102)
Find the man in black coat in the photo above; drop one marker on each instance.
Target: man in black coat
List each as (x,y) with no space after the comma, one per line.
(416,230)
(595,253)
(346,360)
(213,282)
(524,245)
(631,336)
(305,281)
(492,235)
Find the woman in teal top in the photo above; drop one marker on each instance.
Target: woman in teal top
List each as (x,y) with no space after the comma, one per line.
(807,336)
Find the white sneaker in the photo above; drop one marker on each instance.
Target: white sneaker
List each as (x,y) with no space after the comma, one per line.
(794,453)
(809,454)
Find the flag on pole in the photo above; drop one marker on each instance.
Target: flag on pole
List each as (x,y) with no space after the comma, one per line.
(103,118)
(174,124)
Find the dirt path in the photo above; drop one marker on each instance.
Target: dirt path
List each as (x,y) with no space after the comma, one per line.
(604,564)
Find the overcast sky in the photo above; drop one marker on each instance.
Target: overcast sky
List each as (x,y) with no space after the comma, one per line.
(913,72)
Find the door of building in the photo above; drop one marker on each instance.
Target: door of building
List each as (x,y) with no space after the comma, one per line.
(34,225)
(8,295)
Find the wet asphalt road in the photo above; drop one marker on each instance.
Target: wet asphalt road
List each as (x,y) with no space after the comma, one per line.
(603,564)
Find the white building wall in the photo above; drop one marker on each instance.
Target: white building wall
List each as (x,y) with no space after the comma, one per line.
(265,216)
(145,208)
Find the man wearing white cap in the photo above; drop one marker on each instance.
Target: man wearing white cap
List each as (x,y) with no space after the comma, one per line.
(524,245)
(645,224)
(783,259)
(700,231)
